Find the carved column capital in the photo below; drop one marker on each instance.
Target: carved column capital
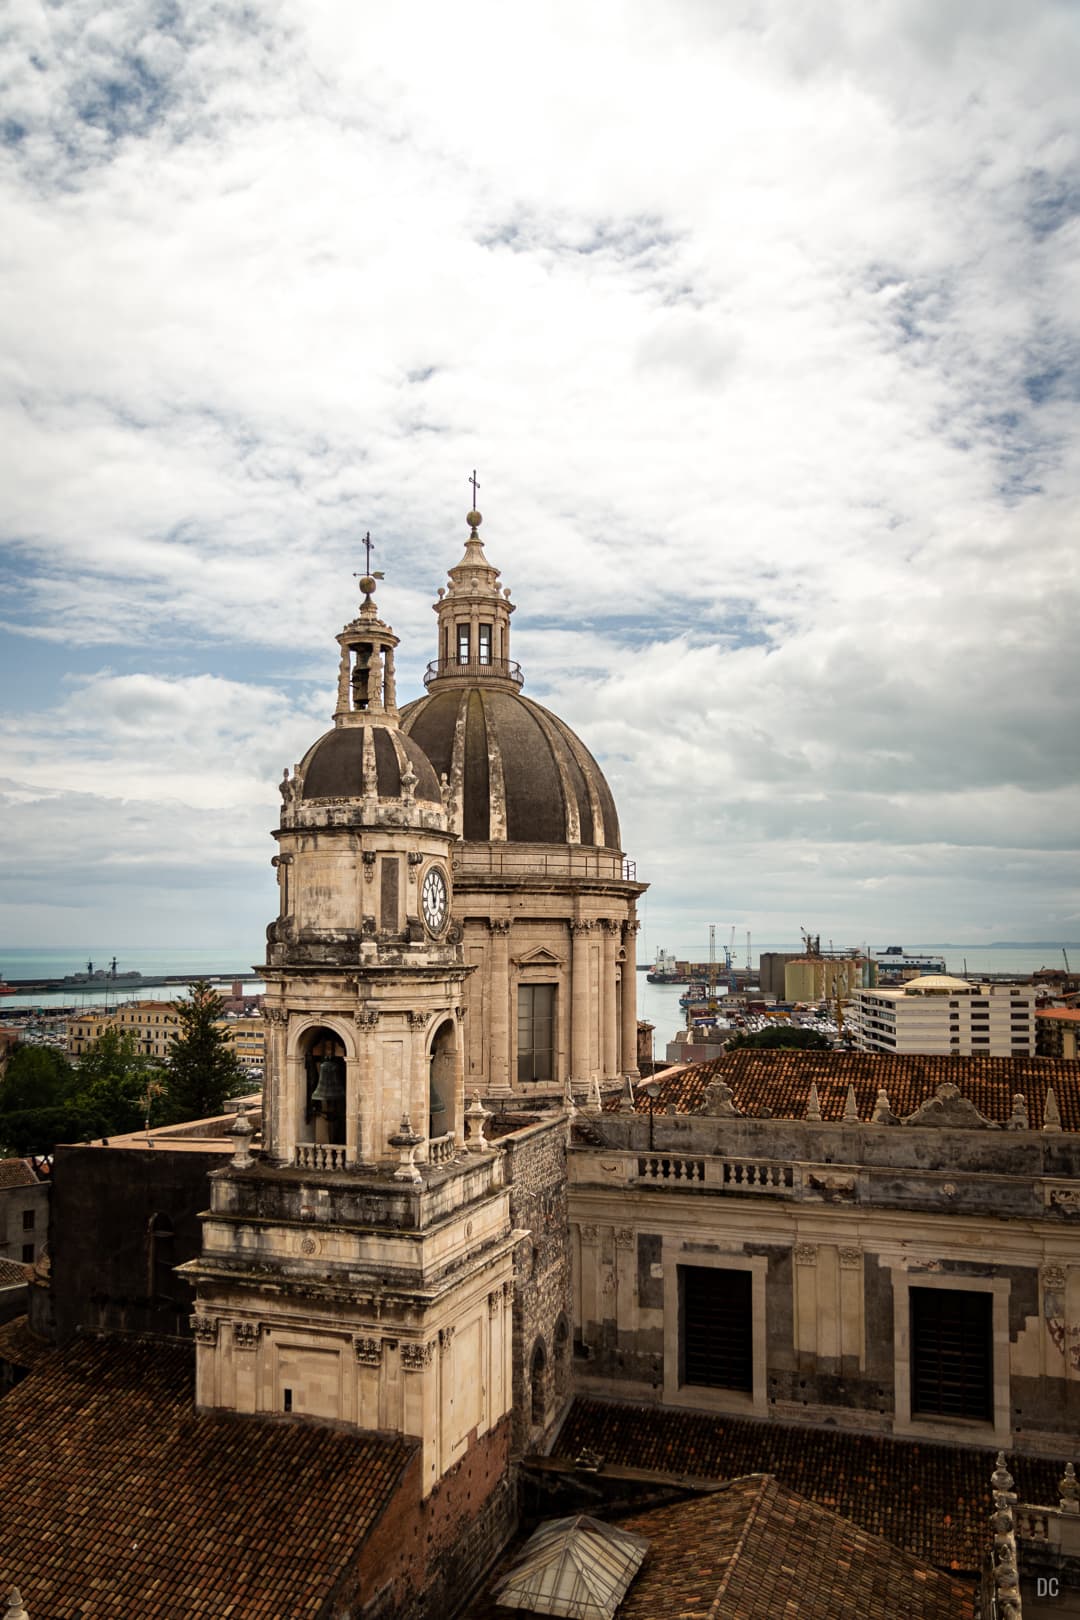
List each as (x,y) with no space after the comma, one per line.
(581,928)
(368,1352)
(245,1335)
(805,1254)
(205,1329)
(499,925)
(446,1339)
(415,1357)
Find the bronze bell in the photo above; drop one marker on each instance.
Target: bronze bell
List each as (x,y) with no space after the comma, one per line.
(435,1102)
(330,1089)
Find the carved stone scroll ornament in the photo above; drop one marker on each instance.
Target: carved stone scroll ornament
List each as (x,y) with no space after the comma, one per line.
(624,1237)
(805,1254)
(720,1101)
(851,1259)
(205,1329)
(949,1108)
(415,1357)
(1067,1199)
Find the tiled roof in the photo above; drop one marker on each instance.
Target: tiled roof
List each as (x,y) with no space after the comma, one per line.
(119,1500)
(19,1346)
(779,1080)
(13,1272)
(16,1173)
(933,1501)
(1067,1015)
(755,1551)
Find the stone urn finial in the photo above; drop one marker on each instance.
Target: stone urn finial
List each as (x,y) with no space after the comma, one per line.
(406,1140)
(475,1115)
(242,1131)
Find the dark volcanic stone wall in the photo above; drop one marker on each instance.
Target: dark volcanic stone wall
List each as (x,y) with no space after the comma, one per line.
(543,1298)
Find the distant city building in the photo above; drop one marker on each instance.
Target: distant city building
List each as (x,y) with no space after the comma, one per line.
(24,1213)
(1057,1032)
(822,978)
(936,1013)
(154,1024)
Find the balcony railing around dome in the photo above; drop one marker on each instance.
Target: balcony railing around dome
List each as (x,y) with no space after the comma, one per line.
(536,860)
(505,668)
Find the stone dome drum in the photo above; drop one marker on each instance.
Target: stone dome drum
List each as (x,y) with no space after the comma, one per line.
(518,773)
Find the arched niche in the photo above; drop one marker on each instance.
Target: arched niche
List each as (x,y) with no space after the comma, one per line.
(322,1054)
(442,1081)
(538,1382)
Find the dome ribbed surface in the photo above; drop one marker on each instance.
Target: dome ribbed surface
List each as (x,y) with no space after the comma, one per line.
(333,767)
(525,777)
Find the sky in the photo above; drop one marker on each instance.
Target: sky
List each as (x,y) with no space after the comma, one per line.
(760,323)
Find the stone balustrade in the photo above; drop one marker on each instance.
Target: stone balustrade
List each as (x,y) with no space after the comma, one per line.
(320,1156)
(734,1175)
(441,1149)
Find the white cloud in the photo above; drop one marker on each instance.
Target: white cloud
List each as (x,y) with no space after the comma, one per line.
(759,322)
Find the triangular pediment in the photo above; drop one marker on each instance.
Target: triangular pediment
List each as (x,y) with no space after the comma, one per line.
(540,956)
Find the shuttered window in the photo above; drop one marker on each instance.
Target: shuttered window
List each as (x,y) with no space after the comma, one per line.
(952,1353)
(717,1328)
(535,1032)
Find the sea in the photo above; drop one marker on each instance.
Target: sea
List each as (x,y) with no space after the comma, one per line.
(659,1003)
(55,962)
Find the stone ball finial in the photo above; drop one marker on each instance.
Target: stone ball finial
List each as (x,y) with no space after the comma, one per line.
(367,584)
(1001,1479)
(473,519)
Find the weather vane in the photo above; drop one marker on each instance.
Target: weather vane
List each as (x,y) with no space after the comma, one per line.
(369,572)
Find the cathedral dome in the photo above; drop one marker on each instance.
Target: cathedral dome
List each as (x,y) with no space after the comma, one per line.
(334,767)
(518,772)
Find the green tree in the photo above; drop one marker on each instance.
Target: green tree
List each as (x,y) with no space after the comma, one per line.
(789,1035)
(203,1069)
(39,1105)
(112,1080)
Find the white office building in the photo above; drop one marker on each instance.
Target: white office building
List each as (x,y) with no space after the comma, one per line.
(937,1013)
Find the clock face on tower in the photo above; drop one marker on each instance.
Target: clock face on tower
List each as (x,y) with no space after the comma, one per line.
(433,899)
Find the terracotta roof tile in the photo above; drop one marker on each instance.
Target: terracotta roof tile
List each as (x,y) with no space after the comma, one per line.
(779,1080)
(16,1173)
(1067,1015)
(120,1500)
(13,1272)
(756,1550)
(20,1347)
(931,1500)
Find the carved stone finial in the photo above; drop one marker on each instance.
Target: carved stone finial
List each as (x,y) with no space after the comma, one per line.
(813,1102)
(1069,1490)
(883,1113)
(15,1610)
(851,1107)
(720,1101)
(626,1101)
(568,1100)
(242,1131)
(1051,1113)
(406,1140)
(1018,1119)
(1001,1479)
(475,1115)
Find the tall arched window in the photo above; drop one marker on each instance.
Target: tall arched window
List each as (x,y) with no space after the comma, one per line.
(538,1372)
(160,1259)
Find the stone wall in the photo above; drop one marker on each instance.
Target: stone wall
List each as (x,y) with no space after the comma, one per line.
(424,1557)
(543,1300)
(110,1248)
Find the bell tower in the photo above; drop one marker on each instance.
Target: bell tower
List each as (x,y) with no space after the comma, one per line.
(359,1269)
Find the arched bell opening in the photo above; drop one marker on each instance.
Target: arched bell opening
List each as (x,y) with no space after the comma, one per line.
(442,1082)
(324,1086)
